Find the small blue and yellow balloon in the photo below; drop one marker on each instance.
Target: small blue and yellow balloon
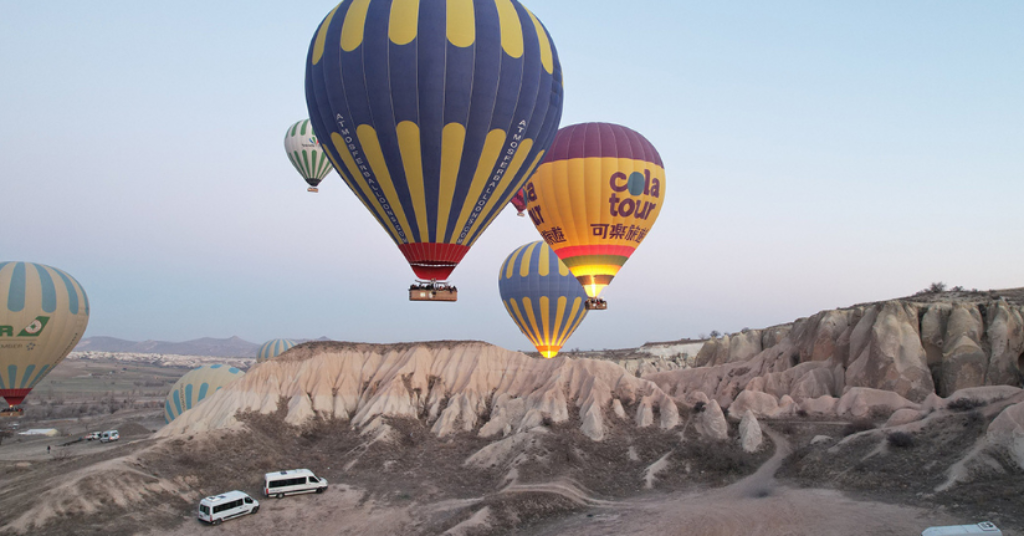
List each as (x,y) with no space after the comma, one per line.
(196,385)
(542,296)
(273,348)
(43,315)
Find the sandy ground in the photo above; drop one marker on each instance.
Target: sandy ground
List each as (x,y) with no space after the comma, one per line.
(785,512)
(337,511)
(756,506)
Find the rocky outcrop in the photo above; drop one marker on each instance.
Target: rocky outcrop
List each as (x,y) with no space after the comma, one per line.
(453,386)
(755,403)
(1007,431)
(711,424)
(750,432)
(862,402)
(912,348)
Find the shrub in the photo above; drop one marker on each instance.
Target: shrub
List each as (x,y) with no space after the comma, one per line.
(698,407)
(900,440)
(860,425)
(965,404)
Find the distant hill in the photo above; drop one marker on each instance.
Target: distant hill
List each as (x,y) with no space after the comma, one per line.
(231,347)
(207,346)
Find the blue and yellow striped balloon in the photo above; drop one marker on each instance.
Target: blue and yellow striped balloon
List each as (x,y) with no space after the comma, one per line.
(274,348)
(542,296)
(43,315)
(196,385)
(435,113)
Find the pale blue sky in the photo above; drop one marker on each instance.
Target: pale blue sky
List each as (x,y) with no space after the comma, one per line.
(818,154)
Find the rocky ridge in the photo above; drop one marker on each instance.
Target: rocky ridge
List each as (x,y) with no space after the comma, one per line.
(453,386)
(911,348)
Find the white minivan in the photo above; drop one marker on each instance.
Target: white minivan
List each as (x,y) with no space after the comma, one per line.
(281,483)
(109,435)
(232,504)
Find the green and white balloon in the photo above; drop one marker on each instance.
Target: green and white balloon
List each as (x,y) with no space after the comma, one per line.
(306,155)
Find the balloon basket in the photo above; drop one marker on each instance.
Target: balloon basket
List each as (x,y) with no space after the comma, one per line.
(12,412)
(436,291)
(312,190)
(521,214)
(595,304)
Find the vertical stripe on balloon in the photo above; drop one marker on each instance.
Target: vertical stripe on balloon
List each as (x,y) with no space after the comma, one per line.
(16,290)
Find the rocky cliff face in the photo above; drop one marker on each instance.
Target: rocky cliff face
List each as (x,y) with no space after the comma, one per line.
(910,347)
(453,386)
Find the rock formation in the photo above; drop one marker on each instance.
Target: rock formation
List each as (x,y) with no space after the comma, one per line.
(455,386)
(912,347)
(750,432)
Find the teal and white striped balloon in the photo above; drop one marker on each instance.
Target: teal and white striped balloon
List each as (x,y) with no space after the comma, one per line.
(196,385)
(273,348)
(306,155)
(43,315)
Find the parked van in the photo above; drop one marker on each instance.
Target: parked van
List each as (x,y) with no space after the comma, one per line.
(109,435)
(281,483)
(229,505)
(985,527)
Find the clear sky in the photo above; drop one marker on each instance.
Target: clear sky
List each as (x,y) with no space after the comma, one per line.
(818,154)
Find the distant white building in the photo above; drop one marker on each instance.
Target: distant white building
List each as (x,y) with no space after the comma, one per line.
(51,432)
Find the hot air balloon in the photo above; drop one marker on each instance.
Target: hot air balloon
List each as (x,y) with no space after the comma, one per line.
(43,314)
(273,348)
(434,114)
(519,201)
(542,296)
(306,154)
(594,199)
(196,385)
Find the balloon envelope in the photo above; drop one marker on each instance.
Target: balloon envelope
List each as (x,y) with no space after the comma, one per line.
(43,315)
(196,385)
(595,198)
(434,114)
(542,296)
(273,348)
(305,153)
(519,201)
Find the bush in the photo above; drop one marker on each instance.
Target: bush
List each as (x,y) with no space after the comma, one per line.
(698,407)
(900,440)
(860,425)
(965,404)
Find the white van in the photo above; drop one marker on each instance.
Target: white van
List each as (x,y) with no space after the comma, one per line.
(985,527)
(281,483)
(229,505)
(109,435)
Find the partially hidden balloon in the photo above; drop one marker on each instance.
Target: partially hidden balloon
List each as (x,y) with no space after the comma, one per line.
(434,114)
(306,154)
(595,197)
(196,385)
(542,296)
(273,348)
(43,315)
(519,201)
